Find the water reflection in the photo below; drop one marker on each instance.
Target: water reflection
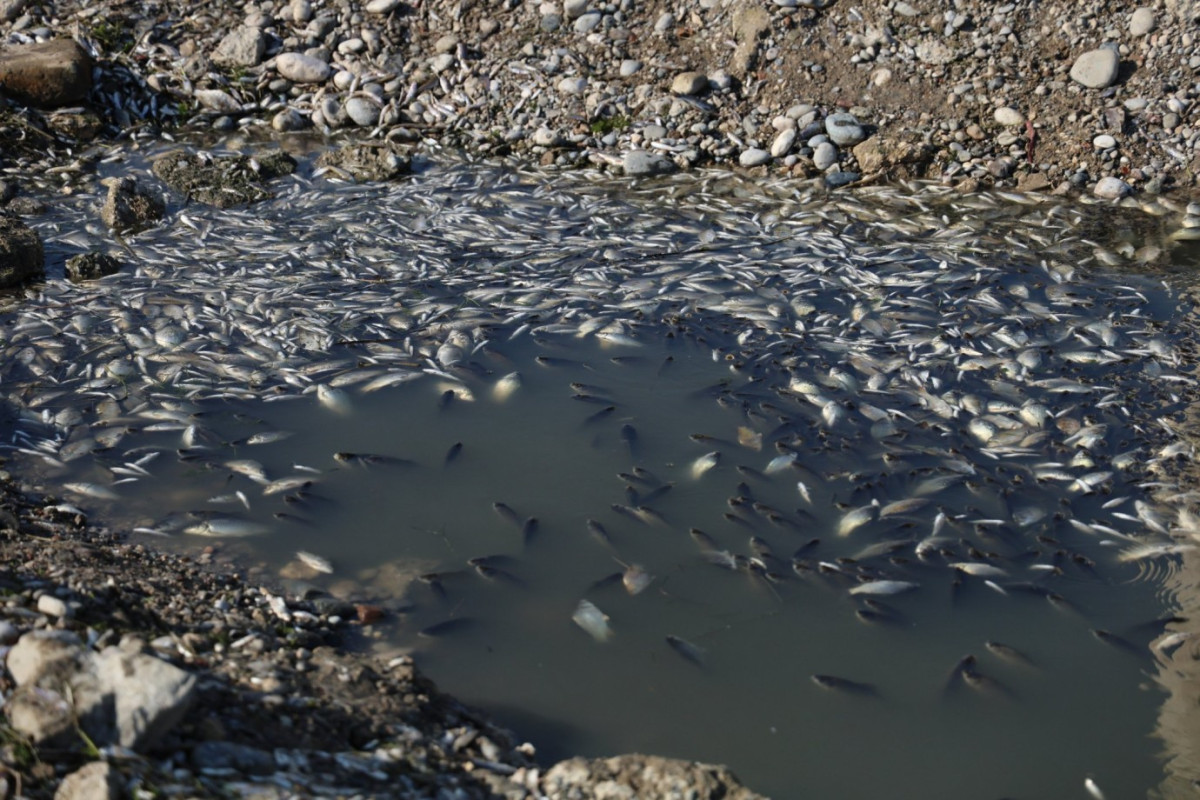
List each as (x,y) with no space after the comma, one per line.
(501,401)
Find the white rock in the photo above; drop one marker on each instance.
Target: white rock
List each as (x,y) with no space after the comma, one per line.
(1009,116)
(1111,188)
(1104,141)
(573,9)
(1141,22)
(289,119)
(53,606)
(95,781)
(545,137)
(299,68)
(689,83)
(1096,69)
(39,651)
(630,67)
(783,142)
(572,85)
(382,6)
(362,111)
(441,63)
(753,157)
(642,162)
(825,156)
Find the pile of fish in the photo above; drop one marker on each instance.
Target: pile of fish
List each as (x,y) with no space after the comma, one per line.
(917,390)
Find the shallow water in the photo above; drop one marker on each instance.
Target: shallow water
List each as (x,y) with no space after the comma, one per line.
(650,326)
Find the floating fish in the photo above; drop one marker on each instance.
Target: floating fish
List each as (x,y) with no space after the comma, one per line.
(704,463)
(506,386)
(885,587)
(592,620)
(226,527)
(315,561)
(686,649)
(334,399)
(835,684)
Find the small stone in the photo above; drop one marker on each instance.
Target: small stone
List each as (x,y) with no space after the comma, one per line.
(289,120)
(651,133)
(1032,182)
(1000,168)
(382,6)
(300,68)
(1104,141)
(441,63)
(1096,69)
(573,9)
(687,83)
(835,179)
(753,157)
(551,22)
(488,26)
(446,44)
(9,633)
(572,85)
(90,266)
(1008,116)
(720,80)
(664,23)
(95,781)
(39,652)
(934,51)
(844,130)
(642,162)
(301,11)
(825,156)
(545,137)
(1141,22)
(630,67)
(46,74)
(128,206)
(905,10)
(783,142)
(588,22)
(241,47)
(217,100)
(1111,188)
(11,9)
(362,112)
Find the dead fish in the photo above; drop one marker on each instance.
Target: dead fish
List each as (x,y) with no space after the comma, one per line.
(267,437)
(506,386)
(334,399)
(446,627)
(1093,788)
(603,413)
(984,684)
(507,514)
(283,485)
(835,684)
(686,649)
(499,575)
(315,561)
(251,469)
(592,620)
(453,452)
(884,587)
(529,529)
(226,527)
(1010,654)
(978,569)
(635,577)
(93,490)
(704,463)
(857,518)
(1118,642)
(599,533)
(629,435)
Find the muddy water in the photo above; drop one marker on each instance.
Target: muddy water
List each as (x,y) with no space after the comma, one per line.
(404,489)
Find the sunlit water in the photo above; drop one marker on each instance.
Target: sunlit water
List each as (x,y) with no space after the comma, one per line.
(889,370)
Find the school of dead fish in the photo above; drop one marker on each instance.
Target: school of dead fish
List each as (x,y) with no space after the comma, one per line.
(887,350)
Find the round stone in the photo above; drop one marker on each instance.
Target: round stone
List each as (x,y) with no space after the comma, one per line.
(574,8)
(588,22)
(362,112)
(753,157)
(545,137)
(630,67)
(551,22)
(783,142)
(835,179)
(651,133)
(1111,188)
(1096,69)
(825,156)
(844,130)
(288,120)
(382,6)
(1009,117)
(572,85)
(1104,141)
(1141,22)
(441,63)
(641,162)
(689,83)
(299,68)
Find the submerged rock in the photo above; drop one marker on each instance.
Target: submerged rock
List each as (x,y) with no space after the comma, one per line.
(129,207)
(89,266)
(21,256)
(223,181)
(368,161)
(633,776)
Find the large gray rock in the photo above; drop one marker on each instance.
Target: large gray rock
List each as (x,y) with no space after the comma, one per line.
(299,68)
(1096,69)
(130,207)
(636,776)
(146,696)
(643,162)
(47,74)
(21,256)
(241,47)
(95,781)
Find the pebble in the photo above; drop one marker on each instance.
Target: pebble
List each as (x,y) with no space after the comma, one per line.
(1008,116)
(664,23)
(573,85)
(642,162)
(1104,141)
(651,133)
(52,606)
(545,137)
(836,179)
(441,63)
(753,157)
(573,9)
(1141,22)
(844,130)
(289,120)
(299,68)
(362,112)
(783,142)
(551,22)
(382,6)
(1111,188)
(588,22)
(629,67)
(825,156)
(1096,69)
(686,83)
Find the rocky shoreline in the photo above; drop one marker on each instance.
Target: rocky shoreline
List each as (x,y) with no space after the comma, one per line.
(1057,97)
